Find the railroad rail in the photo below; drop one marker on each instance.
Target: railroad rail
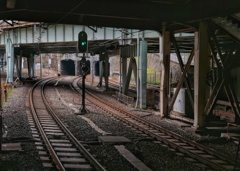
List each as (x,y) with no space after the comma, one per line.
(64,150)
(202,154)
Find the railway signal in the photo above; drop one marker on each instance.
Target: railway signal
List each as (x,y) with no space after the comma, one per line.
(82,42)
(82,47)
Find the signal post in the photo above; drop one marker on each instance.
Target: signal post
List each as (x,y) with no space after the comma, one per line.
(82,47)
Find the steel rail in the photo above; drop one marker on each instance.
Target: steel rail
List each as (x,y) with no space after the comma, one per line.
(67,133)
(55,159)
(80,147)
(153,127)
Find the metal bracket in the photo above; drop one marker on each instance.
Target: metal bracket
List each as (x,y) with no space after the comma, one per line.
(93,29)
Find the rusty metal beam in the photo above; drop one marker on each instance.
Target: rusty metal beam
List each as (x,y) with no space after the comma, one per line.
(164,89)
(201,68)
(218,50)
(182,78)
(129,73)
(219,83)
(186,81)
(212,100)
(222,81)
(233,101)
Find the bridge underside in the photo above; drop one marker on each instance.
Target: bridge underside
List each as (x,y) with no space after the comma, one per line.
(134,14)
(113,46)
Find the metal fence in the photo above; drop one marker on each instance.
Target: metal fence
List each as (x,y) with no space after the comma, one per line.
(153,78)
(125,99)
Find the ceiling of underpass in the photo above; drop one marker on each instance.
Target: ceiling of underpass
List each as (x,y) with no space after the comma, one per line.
(135,14)
(175,15)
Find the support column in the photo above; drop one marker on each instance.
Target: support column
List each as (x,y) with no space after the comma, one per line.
(77,68)
(124,71)
(29,67)
(17,65)
(11,69)
(106,69)
(10,59)
(143,74)
(92,70)
(100,73)
(34,65)
(135,68)
(20,65)
(129,73)
(41,65)
(165,58)
(4,60)
(201,68)
(58,63)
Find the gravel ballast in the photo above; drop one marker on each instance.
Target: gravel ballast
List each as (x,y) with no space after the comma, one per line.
(152,153)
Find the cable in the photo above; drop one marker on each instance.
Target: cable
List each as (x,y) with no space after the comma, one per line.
(80,3)
(49,26)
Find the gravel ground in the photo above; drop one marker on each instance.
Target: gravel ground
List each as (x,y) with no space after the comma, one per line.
(17,130)
(155,155)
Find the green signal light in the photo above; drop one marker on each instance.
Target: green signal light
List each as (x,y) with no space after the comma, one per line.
(84,43)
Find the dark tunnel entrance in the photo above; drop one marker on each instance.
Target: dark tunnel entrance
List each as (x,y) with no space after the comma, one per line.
(67,67)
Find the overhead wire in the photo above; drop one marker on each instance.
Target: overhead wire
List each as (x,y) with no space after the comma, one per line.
(75,7)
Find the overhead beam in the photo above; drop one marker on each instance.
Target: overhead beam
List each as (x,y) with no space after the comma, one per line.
(137,14)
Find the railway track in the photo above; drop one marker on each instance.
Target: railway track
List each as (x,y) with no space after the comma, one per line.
(58,148)
(202,154)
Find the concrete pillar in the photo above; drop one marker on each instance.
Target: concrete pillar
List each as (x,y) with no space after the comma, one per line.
(143,74)
(165,59)
(201,68)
